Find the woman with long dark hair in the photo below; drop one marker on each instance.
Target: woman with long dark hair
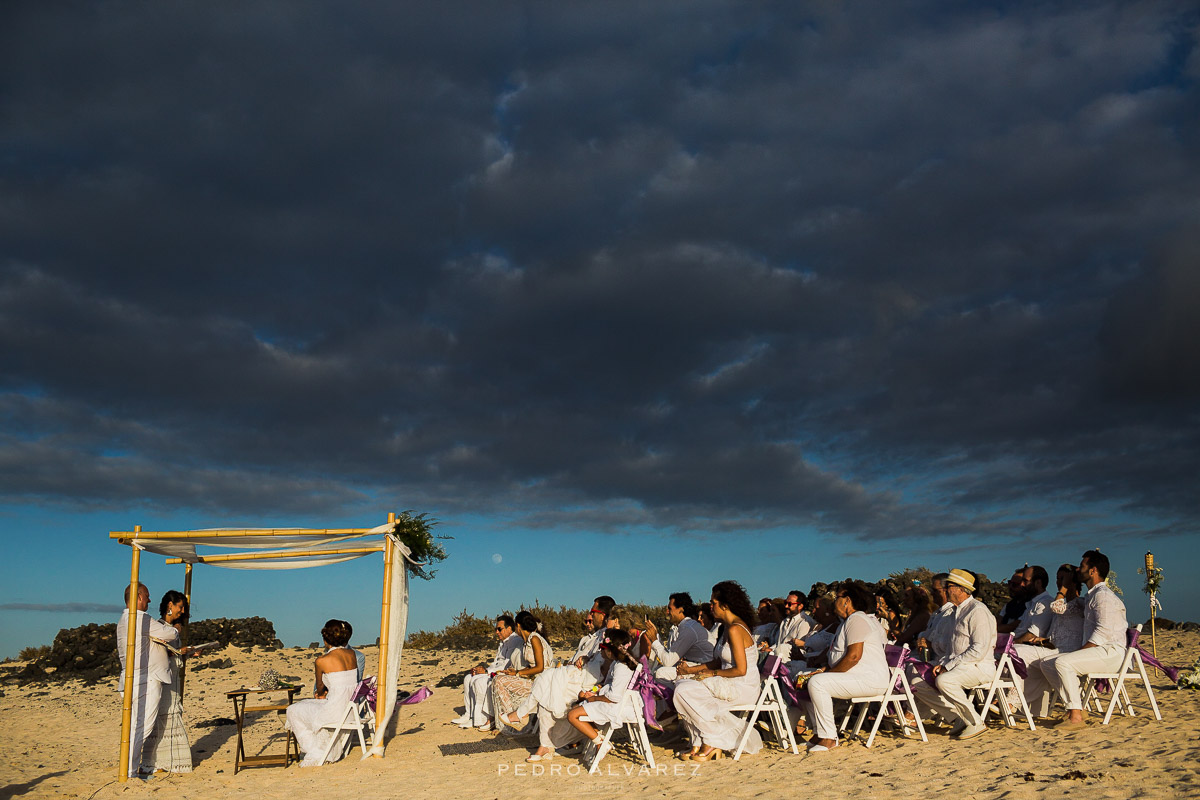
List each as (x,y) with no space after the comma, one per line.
(168,743)
(730,679)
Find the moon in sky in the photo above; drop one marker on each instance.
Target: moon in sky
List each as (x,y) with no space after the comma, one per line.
(497,558)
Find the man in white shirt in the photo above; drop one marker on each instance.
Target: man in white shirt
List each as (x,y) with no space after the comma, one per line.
(1104,639)
(969,661)
(936,637)
(794,629)
(151,669)
(686,641)
(476,697)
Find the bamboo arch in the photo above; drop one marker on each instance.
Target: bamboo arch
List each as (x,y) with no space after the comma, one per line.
(158,541)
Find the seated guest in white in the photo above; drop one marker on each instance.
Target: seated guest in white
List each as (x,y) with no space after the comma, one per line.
(512,688)
(1035,622)
(687,640)
(795,627)
(603,707)
(936,637)
(969,662)
(477,684)
(857,664)
(589,645)
(885,612)
(151,669)
(1019,592)
(1104,639)
(555,689)
(816,644)
(336,678)
(768,624)
(728,680)
(705,618)
(919,603)
(1065,635)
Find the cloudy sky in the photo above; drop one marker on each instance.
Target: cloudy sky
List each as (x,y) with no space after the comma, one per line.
(784,290)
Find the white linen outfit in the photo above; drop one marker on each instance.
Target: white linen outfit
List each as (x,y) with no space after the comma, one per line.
(971,661)
(151,669)
(1066,636)
(1104,626)
(940,630)
(703,705)
(306,717)
(687,641)
(794,627)
(1035,620)
(868,677)
(477,698)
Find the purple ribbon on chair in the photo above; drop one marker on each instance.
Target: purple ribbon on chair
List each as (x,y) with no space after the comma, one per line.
(774,667)
(1132,636)
(1004,644)
(923,669)
(365,691)
(899,655)
(650,690)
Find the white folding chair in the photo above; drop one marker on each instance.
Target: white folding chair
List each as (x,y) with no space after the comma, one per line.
(358,714)
(1117,681)
(770,699)
(896,656)
(632,718)
(1002,681)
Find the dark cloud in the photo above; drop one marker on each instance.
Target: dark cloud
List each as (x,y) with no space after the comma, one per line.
(64,608)
(722,268)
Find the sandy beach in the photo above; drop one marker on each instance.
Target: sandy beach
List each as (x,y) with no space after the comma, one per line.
(61,741)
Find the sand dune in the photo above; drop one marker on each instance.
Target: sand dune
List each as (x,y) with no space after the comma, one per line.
(60,740)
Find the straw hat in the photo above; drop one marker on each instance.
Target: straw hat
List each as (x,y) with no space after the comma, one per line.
(961,577)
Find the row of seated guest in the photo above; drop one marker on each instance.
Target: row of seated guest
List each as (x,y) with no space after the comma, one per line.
(840,651)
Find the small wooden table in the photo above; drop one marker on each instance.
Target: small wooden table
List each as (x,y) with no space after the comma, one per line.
(240,759)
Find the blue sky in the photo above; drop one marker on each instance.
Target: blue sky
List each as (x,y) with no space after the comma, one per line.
(778,290)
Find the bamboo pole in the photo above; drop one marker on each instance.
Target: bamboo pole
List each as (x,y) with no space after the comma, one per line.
(385,620)
(289,554)
(187,593)
(1153,609)
(131,637)
(242,532)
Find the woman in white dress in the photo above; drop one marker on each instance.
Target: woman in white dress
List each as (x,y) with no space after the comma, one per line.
(729,679)
(857,663)
(167,749)
(336,679)
(511,689)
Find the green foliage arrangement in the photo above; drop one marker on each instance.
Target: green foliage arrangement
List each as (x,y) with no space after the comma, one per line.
(416,531)
(1154,579)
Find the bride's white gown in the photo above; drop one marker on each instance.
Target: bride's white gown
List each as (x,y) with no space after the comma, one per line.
(306,717)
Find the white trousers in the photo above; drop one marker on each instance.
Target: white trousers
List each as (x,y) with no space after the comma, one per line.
(146,695)
(949,697)
(477,699)
(823,688)
(1065,669)
(1036,686)
(555,732)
